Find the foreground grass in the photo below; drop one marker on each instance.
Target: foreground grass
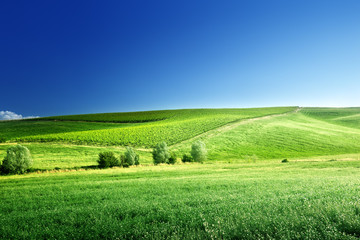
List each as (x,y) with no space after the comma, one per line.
(263,200)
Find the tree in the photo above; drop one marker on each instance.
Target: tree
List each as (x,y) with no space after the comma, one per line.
(17,160)
(161,153)
(107,159)
(131,157)
(198,151)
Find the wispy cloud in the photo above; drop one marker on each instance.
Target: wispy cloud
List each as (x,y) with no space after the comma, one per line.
(8,115)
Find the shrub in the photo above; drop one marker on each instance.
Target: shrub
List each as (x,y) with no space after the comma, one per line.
(172,159)
(122,160)
(187,158)
(198,151)
(285,160)
(137,159)
(131,157)
(161,153)
(107,159)
(17,160)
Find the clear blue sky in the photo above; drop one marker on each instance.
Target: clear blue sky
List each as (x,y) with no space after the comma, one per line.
(68,57)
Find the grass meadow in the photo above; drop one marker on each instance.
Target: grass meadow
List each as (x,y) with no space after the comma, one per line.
(242,191)
(266,200)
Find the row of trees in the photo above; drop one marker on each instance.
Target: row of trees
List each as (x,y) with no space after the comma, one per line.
(161,154)
(18,158)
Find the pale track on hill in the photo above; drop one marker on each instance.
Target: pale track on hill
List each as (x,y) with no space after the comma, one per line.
(230,126)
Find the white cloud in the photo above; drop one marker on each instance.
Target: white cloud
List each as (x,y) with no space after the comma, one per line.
(8,115)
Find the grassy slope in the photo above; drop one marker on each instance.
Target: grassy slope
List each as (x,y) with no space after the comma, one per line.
(11,130)
(349,117)
(268,200)
(291,136)
(180,125)
(297,135)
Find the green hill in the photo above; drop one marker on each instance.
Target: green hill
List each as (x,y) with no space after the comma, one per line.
(175,126)
(236,135)
(243,191)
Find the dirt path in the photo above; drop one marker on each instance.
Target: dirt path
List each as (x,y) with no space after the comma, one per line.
(230,126)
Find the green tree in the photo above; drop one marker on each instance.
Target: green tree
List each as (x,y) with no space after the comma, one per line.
(198,151)
(108,159)
(17,160)
(131,157)
(161,153)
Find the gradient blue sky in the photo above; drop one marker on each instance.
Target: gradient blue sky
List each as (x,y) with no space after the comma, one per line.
(69,57)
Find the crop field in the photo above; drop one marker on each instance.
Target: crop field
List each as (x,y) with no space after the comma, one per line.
(179,125)
(242,191)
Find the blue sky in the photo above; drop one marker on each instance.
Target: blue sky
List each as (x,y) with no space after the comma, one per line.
(70,57)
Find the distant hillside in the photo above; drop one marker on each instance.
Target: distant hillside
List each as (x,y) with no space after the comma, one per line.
(143,129)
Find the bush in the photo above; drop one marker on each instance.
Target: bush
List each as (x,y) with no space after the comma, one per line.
(187,158)
(17,160)
(172,159)
(137,159)
(131,157)
(107,159)
(122,160)
(161,153)
(285,160)
(198,151)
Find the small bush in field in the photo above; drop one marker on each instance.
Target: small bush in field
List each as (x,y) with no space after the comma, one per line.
(198,151)
(108,159)
(161,153)
(285,160)
(130,157)
(17,160)
(187,158)
(172,159)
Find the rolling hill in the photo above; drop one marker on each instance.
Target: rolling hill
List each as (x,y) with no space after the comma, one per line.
(230,134)
(243,191)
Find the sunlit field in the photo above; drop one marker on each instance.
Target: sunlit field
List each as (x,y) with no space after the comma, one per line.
(263,200)
(242,191)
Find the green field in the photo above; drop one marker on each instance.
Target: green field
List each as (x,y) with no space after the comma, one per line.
(267,200)
(178,126)
(242,191)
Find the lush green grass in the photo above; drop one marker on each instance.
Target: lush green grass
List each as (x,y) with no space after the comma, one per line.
(291,136)
(314,196)
(180,125)
(263,200)
(349,117)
